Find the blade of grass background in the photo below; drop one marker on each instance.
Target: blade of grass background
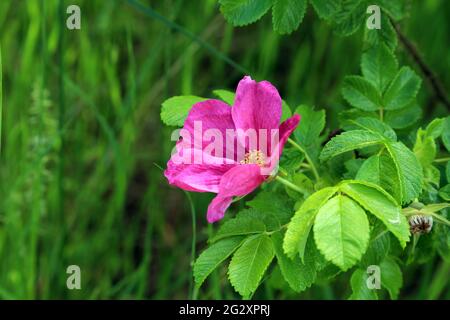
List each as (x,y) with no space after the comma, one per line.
(1,99)
(172,25)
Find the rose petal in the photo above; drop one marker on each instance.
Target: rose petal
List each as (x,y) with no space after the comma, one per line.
(286,129)
(203,176)
(238,181)
(257,106)
(211,117)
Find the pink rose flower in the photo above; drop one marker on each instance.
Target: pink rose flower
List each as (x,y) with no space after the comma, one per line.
(225,170)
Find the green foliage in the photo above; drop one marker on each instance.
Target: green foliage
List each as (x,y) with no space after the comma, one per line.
(351,222)
(243,12)
(341,231)
(402,90)
(408,171)
(385,36)
(360,290)
(307,135)
(213,256)
(361,94)
(378,202)
(348,141)
(379,66)
(446,133)
(298,274)
(379,246)
(298,230)
(249,264)
(240,226)
(391,277)
(225,95)
(176,109)
(287,15)
(82,147)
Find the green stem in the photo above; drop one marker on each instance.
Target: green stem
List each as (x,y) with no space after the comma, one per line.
(1,98)
(192,289)
(381,114)
(442,159)
(436,216)
(311,163)
(439,218)
(290,185)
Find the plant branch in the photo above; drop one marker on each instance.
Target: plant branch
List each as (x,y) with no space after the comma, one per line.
(311,163)
(426,70)
(292,186)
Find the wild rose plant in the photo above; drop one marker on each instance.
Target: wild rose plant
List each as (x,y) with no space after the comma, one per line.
(365,199)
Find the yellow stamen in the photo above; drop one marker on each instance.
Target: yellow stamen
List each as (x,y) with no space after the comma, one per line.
(254,157)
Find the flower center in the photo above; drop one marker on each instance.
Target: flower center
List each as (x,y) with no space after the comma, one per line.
(254,157)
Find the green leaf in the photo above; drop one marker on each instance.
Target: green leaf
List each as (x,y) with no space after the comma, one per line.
(303,182)
(341,231)
(1,98)
(243,12)
(349,18)
(446,133)
(360,289)
(424,148)
(298,275)
(372,125)
(409,170)
(435,128)
(275,209)
(394,8)
(378,202)
(213,256)
(380,169)
(444,192)
(386,35)
(298,229)
(391,277)
(447,171)
(287,15)
(307,135)
(435,207)
(402,90)
(285,111)
(291,159)
(326,9)
(352,166)
(313,123)
(378,249)
(239,226)
(349,141)
(353,114)
(175,110)
(361,93)
(249,263)
(225,95)
(402,118)
(379,66)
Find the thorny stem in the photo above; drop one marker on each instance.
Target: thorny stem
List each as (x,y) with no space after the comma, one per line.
(311,163)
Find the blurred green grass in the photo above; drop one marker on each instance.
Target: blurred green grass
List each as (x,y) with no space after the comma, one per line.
(82,139)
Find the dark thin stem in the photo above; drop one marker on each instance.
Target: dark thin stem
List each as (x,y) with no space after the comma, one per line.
(176,27)
(426,70)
